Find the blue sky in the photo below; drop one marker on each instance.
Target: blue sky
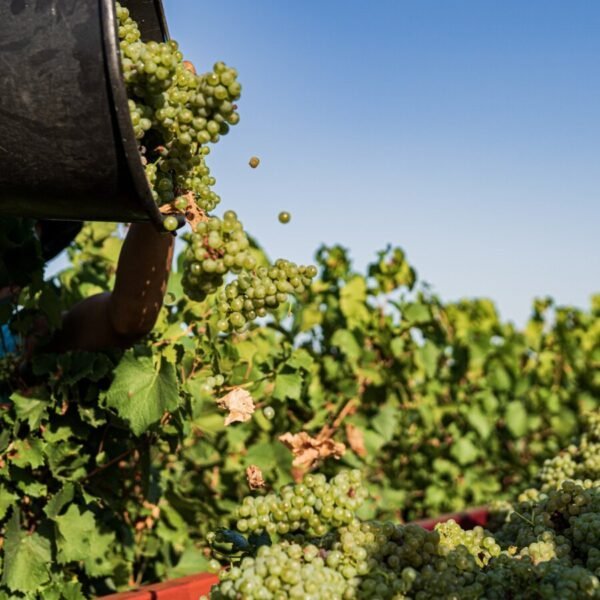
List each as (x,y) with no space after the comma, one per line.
(467,132)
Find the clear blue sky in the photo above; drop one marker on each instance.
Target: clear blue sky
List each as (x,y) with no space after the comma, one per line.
(467,132)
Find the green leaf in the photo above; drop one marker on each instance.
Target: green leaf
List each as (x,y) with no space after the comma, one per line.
(516,418)
(480,422)
(192,561)
(428,356)
(416,313)
(141,393)
(353,298)
(76,530)
(385,422)
(96,562)
(397,346)
(288,386)
(49,303)
(347,343)
(499,378)
(300,359)
(31,410)
(28,453)
(7,499)
(373,442)
(27,558)
(310,317)
(59,500)
(464,451)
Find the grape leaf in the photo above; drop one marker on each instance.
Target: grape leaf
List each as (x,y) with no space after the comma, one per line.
(141,393)
(28,452)
(347,343)
(288,385)
(352,301)
(7,498)
(76,531)
(464,451)
(27,558)
(516,418)
(32,410)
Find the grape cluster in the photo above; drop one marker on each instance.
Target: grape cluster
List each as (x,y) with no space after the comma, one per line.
(175,112)
(580,461)
(253,293)
(548,546)
(286,570)
(220,246)
(313,507)
(216,247)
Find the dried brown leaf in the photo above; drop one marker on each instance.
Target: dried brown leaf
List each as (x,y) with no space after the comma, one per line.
(255,477)
(356,439)
(193,213)
(308,451)
(239,403)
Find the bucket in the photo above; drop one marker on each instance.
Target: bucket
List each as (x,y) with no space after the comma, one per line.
(67,146)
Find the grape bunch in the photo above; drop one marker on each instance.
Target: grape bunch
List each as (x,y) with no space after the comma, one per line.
(313,507)
(216,247)
(175,113)
(579,462)
(220,246)
(253,293)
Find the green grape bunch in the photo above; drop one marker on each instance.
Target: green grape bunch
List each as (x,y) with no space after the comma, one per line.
(176,113)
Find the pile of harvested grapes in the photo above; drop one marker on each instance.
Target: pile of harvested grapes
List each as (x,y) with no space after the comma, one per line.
(308,542)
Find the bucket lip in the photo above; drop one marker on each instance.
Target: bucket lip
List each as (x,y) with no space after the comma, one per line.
(121,108)
(162,19)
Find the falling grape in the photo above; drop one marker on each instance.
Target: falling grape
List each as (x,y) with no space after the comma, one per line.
(170,223)
(170,299)
(254,162)
(284,217)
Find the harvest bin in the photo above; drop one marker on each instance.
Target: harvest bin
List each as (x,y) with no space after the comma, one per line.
(67,147)
(194,586)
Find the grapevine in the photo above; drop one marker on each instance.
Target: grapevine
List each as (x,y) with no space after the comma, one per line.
(115,466)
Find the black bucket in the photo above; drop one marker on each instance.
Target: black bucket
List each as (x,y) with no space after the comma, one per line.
(67,146)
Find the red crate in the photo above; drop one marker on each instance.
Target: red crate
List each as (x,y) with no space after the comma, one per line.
(467,519)
(184,588)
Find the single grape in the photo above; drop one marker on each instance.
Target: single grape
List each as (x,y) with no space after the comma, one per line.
(170,223)
(269,412)
(284,217)
(170,299)
(254,162)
